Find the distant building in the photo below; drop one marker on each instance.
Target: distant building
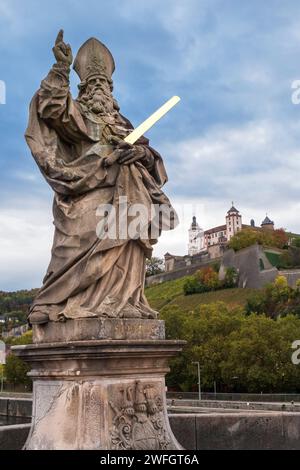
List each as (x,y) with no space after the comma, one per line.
(196,239)
(221,234)
(211,243)
(173,262)
(15,331)
(267,224)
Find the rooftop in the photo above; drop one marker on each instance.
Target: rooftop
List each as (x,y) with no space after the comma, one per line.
(233,209)
(220,228)
(267,221)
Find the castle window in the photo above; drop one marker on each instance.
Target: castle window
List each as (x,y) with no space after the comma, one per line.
(261,264)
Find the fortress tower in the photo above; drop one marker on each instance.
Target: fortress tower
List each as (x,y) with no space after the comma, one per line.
(233,222)
(196,238)
(267,224)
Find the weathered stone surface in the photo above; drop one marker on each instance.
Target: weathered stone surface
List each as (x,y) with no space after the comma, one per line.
(100,394)
(248,261)
(98,358)
(96,338)
(101,414)
(99,328)
(98,263)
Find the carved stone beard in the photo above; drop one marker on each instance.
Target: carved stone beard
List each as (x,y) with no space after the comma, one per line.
(100,100)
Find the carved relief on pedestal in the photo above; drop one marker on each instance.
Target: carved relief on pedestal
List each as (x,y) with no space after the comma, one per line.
(138,420)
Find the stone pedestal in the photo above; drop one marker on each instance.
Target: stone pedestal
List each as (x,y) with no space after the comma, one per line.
(101,393)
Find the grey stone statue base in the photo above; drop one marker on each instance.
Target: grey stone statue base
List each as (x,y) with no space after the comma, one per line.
(99,328)
(100,394)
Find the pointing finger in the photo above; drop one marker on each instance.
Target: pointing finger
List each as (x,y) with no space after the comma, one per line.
(60,37)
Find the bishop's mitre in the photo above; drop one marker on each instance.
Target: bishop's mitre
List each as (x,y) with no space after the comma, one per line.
(93,58)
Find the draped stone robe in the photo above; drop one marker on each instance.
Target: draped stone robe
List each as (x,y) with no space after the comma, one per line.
(87,275)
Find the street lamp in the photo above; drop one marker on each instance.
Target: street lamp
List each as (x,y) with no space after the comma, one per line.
(199,378)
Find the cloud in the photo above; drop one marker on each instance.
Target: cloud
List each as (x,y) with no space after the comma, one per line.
(26,233)
(253,164)
(234,135)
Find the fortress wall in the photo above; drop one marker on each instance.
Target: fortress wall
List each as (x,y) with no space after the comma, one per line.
(177,273)
(292,276)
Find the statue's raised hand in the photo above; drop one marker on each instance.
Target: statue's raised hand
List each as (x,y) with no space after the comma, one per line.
(62,51)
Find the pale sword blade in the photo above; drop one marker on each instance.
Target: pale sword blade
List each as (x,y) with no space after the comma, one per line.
(146,125)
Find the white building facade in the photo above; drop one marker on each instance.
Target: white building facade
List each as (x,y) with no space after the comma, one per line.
(196,239)
(200,240)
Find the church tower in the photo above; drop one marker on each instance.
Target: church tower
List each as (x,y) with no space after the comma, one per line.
(267,224)
(196,238)
(233,222)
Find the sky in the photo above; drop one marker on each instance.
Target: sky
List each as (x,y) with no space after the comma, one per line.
(235,135)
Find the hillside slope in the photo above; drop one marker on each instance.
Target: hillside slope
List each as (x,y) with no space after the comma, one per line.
(160,295)
(171,293)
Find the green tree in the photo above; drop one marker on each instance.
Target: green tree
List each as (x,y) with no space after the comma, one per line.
(296,242)
(15,301)
(241,353)
(205,331)
(16,370)
(290,258)
(25,338)
(154,266)
(259,355)
(277,299)
(249,236)
(231,277)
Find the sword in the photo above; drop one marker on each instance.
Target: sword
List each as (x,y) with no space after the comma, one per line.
(144,127)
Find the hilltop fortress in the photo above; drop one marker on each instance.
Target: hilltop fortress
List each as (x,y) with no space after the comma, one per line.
(205,245)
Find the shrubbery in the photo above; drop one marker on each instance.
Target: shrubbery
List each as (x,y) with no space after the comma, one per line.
(290,258)
(15,370)
(207,279)
(276,299)
(249,236)
(154,266)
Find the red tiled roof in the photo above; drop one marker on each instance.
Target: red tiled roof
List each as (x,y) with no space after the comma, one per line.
(220,228)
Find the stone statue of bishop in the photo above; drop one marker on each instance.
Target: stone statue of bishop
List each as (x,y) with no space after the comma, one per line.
(71,141)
